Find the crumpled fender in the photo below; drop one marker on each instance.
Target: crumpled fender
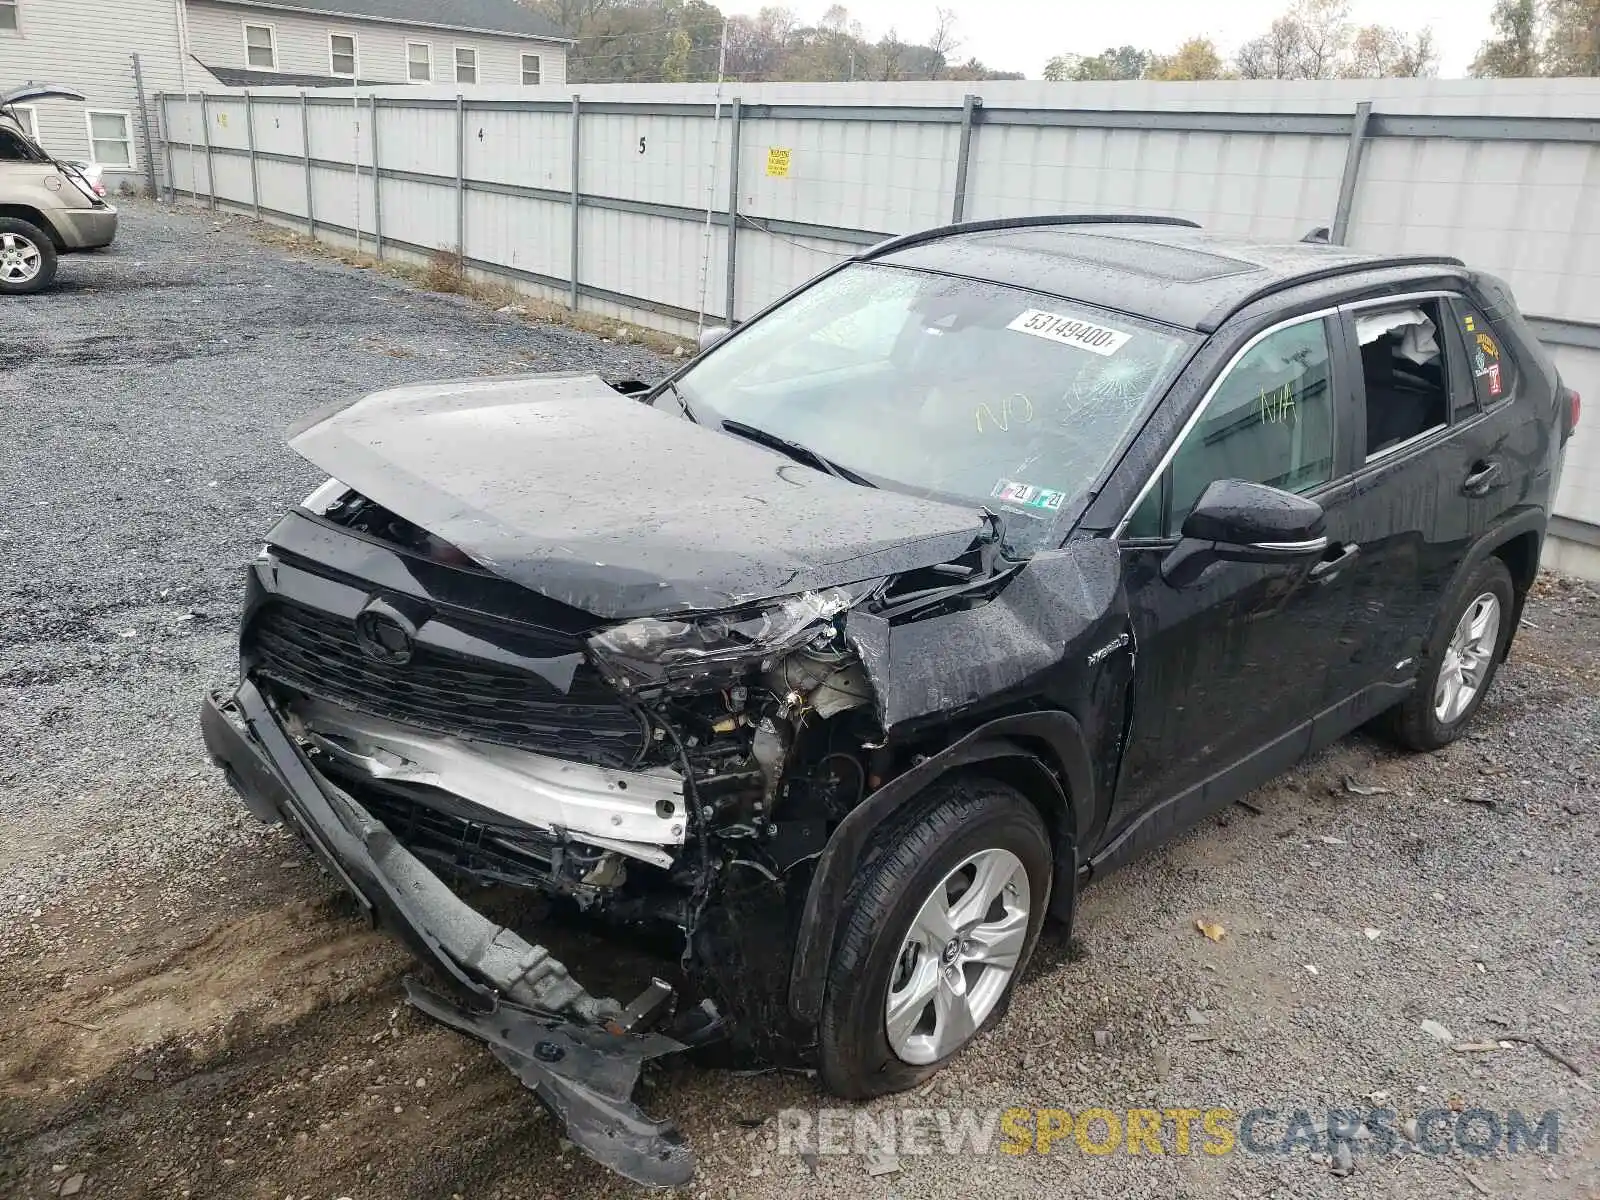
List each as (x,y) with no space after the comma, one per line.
(1036,648)
(994,740)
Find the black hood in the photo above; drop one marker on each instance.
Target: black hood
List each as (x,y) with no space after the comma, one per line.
(558,483)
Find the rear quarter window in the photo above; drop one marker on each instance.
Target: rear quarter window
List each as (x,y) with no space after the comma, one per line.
(1494,372)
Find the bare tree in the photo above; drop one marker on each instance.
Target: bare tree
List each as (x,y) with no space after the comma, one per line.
(1325,34)
(1381,51)
(944,41)
(1276,54)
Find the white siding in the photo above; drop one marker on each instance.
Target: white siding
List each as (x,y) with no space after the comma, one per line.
(216,37)
(67,42)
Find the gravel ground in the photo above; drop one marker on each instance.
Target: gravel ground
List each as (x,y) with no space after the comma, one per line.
(189,1009)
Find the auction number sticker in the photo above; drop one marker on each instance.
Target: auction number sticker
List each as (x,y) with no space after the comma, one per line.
(1071,331)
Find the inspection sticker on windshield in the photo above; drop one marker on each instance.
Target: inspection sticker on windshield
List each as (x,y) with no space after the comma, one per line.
(1071,331)
(1009,491)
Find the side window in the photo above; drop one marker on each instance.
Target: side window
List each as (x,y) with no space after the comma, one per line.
(1269,421)
(1494,375)
(1404,374)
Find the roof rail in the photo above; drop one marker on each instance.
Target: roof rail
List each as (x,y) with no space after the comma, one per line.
(1214,319)
(943,231)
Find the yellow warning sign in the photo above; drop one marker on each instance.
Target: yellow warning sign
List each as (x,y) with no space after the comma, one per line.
(777,163)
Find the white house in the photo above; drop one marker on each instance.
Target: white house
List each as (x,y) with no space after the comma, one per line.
(191,45)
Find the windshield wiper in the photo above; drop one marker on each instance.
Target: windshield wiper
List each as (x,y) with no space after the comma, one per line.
(796,451)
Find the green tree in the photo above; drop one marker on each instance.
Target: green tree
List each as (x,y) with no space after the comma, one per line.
(1514,51)
(1118,62)
(1196,58)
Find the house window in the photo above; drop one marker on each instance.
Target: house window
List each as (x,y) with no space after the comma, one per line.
(260,47)
(342,54)
(29,117)
(8,15)
(530,70)
(466,64)
(110,138)
(419,62)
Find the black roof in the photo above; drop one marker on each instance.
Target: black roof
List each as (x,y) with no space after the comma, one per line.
(482,16)
(1167,271)
(244,77)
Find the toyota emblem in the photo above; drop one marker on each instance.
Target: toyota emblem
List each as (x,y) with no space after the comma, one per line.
(385,636)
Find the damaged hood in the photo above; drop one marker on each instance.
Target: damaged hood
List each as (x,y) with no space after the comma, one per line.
(560,484)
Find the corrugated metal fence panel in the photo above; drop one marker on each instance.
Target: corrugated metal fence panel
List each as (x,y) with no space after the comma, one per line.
(515,231)
(421,213)
(339,202)
(771,265)
(189,171)
(892,177)
(231,173)
(656,159)
(1275,186)
(417,139)
(669,274)
(227,123)
(340,130)
(1579,497)
(1528,211)
(283,186)
(525,149)
(278,128)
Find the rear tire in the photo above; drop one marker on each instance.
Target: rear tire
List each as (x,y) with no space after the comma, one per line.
(970,838)
(1460,662)
(27,258)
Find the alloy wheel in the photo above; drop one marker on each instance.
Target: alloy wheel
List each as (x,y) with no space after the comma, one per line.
(20,259)
(958,957)
(1467,658)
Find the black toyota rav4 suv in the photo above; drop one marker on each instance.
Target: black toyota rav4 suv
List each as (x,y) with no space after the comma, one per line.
(845,656)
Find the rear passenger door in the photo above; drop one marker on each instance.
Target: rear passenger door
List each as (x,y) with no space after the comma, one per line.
(1429,478)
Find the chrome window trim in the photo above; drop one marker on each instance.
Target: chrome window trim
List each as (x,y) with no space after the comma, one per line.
(1205,401)
(1377,456)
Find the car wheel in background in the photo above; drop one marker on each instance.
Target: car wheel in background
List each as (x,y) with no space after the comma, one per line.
(27,257)
(1460,661)
(936,931)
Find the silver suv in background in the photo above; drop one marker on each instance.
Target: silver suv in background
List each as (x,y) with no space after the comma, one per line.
(47,207)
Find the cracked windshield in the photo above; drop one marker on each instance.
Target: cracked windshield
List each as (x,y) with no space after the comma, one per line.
(945,387)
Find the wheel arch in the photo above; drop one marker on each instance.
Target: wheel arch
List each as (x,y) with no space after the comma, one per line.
(35,217)
(1517,543)
(1043,754)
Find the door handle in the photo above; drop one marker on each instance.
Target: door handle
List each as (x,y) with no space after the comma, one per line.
(1329,567)
(1482,480)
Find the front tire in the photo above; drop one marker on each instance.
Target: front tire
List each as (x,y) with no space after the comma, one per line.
(1462,658)
(937,929)
(27,258)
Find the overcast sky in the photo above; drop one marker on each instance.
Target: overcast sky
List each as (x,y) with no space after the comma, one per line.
(1020,35)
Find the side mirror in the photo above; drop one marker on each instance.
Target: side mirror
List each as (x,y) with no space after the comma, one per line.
(1235,521)
(710,337)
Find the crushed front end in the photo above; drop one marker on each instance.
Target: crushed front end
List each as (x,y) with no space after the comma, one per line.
(441,737)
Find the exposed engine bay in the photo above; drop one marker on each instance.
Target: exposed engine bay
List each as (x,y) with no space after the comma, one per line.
(683,723)
(756,733)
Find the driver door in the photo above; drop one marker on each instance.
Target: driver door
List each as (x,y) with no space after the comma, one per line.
(1231,668)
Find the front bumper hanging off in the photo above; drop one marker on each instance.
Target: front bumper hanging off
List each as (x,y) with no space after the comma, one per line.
(579,1053)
